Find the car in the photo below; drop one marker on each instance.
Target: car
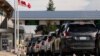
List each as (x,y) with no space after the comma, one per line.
(38,45)
(30,46)
(60,30)
(79,38)
(42,51)
(56,46)
(48,45)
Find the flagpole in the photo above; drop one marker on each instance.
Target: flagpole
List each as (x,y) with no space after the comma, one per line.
(18,26)
(15,27)
(17,11)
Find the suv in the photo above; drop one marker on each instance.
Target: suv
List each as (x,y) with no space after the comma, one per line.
(79,38)
(60,30)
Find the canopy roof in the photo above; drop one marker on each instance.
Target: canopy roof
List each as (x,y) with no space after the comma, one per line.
(7,8)
(59,15)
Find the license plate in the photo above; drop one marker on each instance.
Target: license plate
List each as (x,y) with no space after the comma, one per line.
(82,38)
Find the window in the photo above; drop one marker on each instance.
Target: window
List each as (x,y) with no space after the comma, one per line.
(31,22)
(82,28)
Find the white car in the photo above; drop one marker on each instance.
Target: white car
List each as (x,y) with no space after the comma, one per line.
(48,43)
(40,44)
(57,45)
(37,46)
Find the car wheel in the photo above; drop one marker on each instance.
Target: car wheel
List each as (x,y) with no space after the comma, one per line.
(87,54)
(62,54)
(69,54)
(97,45)
(97,52)
(48,53)
(42,53)
(55,54)
(35,54)
(66,54)
(79,54)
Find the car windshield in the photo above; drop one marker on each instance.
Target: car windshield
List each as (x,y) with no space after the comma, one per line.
(82,28)
(33,40)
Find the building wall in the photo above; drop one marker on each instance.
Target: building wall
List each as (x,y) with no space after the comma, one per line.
(0,42)
(9,38)
(22,22)
(5,33)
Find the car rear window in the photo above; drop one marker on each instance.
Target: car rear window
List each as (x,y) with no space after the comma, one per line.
(82,28)
(33,40)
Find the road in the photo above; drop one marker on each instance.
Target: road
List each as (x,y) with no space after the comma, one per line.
(4,53)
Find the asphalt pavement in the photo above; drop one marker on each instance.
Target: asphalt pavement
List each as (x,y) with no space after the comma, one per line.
(4,53)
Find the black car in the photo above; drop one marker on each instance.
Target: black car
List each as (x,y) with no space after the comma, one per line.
(79,39)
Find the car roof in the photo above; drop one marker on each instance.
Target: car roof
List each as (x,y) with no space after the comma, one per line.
(37,35)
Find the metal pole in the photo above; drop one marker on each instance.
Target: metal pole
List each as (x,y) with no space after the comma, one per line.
(15,26)
(18,27)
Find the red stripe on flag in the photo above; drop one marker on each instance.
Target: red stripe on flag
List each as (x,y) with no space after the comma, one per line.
(29,5)
(23,3)
(18,1)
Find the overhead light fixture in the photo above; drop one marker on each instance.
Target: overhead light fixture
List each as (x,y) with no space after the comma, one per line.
(8,9)
(3,4)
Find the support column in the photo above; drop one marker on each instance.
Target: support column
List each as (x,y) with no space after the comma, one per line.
(0,42)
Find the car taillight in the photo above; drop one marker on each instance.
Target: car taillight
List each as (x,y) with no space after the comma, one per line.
(49,39)
(66,34)
(37,46)
(42,43)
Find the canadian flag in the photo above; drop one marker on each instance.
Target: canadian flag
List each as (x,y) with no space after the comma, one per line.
(24,3)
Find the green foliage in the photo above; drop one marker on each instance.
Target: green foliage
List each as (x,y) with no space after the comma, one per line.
(52,27)
(97,22)
(51,6)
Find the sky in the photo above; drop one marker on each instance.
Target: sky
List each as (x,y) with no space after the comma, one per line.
(61,5)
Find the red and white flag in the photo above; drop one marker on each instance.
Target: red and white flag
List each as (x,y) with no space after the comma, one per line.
(24,3)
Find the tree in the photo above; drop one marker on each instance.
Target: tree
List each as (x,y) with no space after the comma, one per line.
(97,23)
(42,28)
(51,6)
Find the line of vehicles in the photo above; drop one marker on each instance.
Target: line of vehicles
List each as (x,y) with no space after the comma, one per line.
(80,38)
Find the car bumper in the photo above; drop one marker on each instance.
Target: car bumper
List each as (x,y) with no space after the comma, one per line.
(72,45)
(82,45)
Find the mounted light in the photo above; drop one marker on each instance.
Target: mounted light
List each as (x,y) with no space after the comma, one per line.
(3,5)
(66,34)
(8,9)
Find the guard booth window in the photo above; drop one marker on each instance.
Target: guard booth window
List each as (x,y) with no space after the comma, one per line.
(31,22)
